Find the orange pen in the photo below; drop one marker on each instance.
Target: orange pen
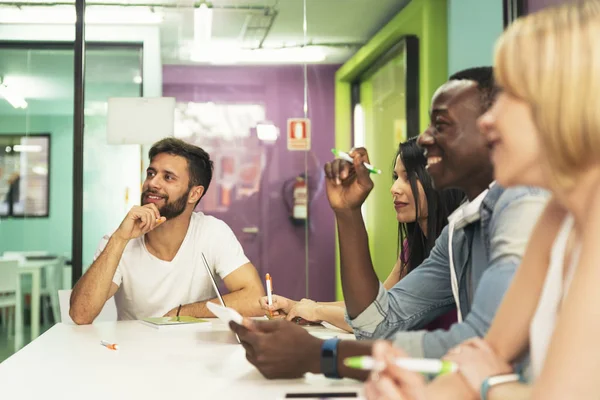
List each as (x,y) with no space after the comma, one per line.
(269,291)
(108,345)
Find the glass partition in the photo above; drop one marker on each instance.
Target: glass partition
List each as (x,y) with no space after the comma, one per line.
(254,82)
(239,78)
(111,173)
(36,147)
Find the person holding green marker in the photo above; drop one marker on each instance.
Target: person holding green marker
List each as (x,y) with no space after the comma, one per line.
(469,268)
(421,211)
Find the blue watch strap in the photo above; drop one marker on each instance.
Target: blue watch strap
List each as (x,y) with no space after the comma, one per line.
(329,358)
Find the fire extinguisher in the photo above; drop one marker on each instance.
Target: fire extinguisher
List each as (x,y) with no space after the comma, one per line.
(298,206)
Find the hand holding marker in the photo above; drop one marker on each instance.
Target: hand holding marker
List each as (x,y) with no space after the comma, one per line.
(269,283)
(346,157)
(422,365)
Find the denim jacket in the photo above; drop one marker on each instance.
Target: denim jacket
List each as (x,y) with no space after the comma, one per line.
(486,254)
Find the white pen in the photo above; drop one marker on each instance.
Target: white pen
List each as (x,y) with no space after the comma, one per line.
(346,157)
(108,345)
(269,292)
(423,365)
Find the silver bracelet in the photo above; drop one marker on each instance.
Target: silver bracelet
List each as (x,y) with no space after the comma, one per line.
(494,380)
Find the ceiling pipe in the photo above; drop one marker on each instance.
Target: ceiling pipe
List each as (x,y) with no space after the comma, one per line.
(261,9)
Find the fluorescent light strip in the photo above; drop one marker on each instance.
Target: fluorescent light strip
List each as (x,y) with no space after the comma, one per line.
(98,15)
(203,17)
(27,148)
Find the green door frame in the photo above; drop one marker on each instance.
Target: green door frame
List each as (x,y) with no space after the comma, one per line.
(426,19)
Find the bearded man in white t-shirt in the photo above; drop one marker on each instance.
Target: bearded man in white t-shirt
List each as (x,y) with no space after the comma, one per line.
(152,264)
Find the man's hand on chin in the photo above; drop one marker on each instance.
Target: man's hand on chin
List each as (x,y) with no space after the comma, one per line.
(279,349)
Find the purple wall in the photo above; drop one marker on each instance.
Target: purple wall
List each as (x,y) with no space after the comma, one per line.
(536,5)
(281,245)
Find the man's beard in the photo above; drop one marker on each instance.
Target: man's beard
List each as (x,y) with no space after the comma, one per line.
(171,209)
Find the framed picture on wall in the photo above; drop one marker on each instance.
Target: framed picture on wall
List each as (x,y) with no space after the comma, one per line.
(24,175)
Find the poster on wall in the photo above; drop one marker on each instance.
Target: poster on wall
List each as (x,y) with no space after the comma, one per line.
(298,134)
(24,177)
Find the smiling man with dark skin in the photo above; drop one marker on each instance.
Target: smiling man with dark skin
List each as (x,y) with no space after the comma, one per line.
(469,268)
(152,264)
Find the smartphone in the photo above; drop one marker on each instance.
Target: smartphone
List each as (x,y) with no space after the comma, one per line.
(225,314)
(303,322)
(322,396)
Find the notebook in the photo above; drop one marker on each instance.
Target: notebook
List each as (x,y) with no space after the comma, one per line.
(175,322)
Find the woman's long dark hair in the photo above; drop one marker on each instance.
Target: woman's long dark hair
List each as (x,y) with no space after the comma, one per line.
(440,204)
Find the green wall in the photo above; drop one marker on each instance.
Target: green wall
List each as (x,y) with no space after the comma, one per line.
(427,20)
(51,234)
(473,27)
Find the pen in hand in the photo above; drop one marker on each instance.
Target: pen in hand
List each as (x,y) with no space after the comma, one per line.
(269,283)
(422,365)
(346,157)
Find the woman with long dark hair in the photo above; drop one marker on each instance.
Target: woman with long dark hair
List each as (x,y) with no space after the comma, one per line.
(422,213)
(418,227)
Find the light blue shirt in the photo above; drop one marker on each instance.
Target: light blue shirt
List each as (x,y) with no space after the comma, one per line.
(486,254)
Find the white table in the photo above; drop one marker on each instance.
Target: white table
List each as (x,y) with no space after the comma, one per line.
(68,362)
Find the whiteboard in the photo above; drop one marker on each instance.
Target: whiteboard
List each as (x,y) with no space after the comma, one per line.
(139,120)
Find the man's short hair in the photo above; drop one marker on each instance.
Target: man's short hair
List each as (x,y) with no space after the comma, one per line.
(484,77)
(200,166)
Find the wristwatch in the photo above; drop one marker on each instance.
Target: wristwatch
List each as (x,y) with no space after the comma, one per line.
(329,358)
(494,380)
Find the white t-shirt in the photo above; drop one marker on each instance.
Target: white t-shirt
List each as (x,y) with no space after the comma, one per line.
(150,287)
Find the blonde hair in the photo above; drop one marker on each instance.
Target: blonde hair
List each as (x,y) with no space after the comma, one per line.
(551,60)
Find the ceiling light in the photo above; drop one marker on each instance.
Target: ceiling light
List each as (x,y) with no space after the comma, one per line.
(15,100)
(267,132)
(27,148)
(40,170)
(202,23)
(65,15)
(137,79)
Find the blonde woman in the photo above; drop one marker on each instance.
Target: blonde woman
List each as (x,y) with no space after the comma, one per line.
(544,130)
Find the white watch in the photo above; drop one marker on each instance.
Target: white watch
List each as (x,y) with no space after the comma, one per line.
(492,381)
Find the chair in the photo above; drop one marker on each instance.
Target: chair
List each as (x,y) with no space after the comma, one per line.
(52,280)
(9,290)
(108,313)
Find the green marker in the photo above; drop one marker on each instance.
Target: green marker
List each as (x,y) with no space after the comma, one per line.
(422,365)
(346,157)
